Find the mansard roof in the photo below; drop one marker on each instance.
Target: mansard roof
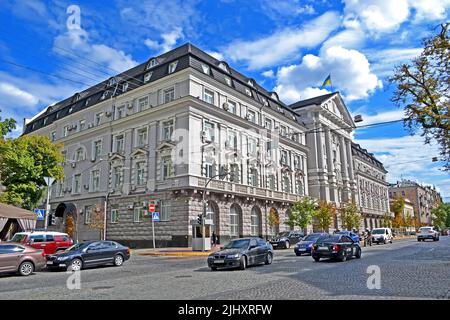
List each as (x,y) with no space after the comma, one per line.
(312,101)
(362,153)
(188,56)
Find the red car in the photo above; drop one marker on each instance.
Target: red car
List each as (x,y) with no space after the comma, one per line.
(50,242)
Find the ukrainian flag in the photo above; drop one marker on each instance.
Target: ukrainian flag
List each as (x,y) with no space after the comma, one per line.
(327,81)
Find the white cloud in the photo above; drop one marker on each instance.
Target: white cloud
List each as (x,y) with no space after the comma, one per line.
(384,61)
(284,44)
(77,41)
(430,10)
(216,55)
(268,74)
(349,69)
(386,116)
(12,95)
(169,40)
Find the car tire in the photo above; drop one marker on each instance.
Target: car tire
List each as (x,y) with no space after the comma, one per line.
(213,268)
(269,258)
(316,259)
(243,263)
(26,268)
(385,241)
(287,245)
(75,265)
(343,258)
(358,254)
(298,254)
(118,260)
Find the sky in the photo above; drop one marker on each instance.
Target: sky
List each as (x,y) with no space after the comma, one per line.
(287,46)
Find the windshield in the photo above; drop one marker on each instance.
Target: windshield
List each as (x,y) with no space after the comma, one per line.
(378,231)
(237,244)
(78,246)
(311,237)
(283,234)
(424,229)
(18,237)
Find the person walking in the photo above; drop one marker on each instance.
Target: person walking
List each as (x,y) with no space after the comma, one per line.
(214,239)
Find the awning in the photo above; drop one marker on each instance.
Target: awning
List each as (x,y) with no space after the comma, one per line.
(12,212)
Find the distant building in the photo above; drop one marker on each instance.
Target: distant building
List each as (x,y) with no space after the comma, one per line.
(423,198)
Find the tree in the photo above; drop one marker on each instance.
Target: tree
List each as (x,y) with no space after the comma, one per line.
(324,215)
(274,219)
(350,216)
(24,162)
(439,215)
(447,221)
(397,206)
(6,126)
(97,218)
(423,88)
(302,213)
(387,220)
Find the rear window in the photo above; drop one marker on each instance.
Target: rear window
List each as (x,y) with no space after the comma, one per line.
(37,238)
(328,239)
(311,237)
(425,229)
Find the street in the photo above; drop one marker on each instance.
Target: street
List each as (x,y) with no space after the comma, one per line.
(409,269)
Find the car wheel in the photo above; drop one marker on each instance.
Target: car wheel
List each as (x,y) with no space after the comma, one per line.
(213,268)
(316,259)
(269,258)
(298,254)
(75,265)
(243,263)
(118,260)
(358,254)
(26,268)
(287,245)
(385,241)
(343,258)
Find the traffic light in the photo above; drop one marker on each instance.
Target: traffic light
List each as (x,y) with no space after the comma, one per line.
(199,219)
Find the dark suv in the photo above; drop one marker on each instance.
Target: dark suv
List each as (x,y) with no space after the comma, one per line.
(286,239)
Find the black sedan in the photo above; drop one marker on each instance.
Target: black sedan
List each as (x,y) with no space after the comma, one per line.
(88,254)
(241,253)
(338,246)
(286,239)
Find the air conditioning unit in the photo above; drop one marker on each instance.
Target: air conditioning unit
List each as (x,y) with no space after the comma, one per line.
(69,189)
(133,188)
(74,164)
(108,113)
(144,204)
(110,154)
(129,105)
(247,117)
(225,106)
(130,207)
(90,125)
(86,186)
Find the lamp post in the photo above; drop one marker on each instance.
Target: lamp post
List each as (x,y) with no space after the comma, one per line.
(48,182)
(221,176)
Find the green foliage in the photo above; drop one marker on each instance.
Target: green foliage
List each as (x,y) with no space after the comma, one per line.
(387,220)
(440,214)
(398,205)
(6,126)
(324,215)
(301,213)
(24,162)
(423,89)
(350,216)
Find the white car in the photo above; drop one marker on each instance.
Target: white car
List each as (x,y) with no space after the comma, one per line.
(428,232)
(382,235)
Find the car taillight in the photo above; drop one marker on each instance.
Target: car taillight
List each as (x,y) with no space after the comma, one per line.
(336,247)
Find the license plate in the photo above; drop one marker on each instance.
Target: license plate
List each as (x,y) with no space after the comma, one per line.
(302,249)
(274,244)
(49,262)
(323,248)
(219,261)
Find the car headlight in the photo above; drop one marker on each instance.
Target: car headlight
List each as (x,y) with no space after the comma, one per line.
(233,256)
(310,245)
(62,258)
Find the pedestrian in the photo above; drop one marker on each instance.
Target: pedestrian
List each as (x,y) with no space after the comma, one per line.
(214,239)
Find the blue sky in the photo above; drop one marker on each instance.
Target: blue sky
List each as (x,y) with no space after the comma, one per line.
(287,46)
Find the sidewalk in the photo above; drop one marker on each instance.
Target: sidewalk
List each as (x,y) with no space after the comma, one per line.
(173,252)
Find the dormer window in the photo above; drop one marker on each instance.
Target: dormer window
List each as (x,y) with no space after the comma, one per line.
(148,76)
(223,66)
(228,81)
(70,109)
(125,87)
(87,101)
(250,83)
(76,97)
(248,92)
(152,64)
(112,82)
(104,95)
(172,67)
(206,69)
(274,96)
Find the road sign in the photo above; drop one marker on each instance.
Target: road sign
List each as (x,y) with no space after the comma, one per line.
(40,213)
(155,216)
(151,207)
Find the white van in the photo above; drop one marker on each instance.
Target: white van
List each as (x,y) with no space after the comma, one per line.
(382,235)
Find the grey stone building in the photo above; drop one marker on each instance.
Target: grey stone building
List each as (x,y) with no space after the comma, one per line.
(373,190)
(159,132)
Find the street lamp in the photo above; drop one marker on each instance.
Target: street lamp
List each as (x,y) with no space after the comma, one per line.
(222,176)
(48,182)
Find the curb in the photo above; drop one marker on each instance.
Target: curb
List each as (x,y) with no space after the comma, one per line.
(175,254)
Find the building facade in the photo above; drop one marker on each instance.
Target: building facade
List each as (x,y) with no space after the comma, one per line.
(423,198)
(158,133)
(373,189)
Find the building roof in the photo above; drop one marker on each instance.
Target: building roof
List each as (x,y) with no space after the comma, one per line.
(188,56)
(312,101)
(12,212)
(362,153)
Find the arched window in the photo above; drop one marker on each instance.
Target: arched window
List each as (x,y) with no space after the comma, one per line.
(255,221)
(235,223)
(299,185)
(287,184)
(212,212)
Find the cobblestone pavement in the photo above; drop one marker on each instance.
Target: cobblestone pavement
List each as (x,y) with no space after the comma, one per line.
(409,270)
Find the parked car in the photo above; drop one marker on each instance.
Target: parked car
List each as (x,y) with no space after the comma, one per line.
(382,235)
(18,258)
(337,246)
(240,253)
(286,239)
(305,245)
(428,232)
(50,242)
(88,254)
(355,237)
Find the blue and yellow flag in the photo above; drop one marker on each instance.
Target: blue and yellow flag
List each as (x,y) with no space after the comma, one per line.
(327,81)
